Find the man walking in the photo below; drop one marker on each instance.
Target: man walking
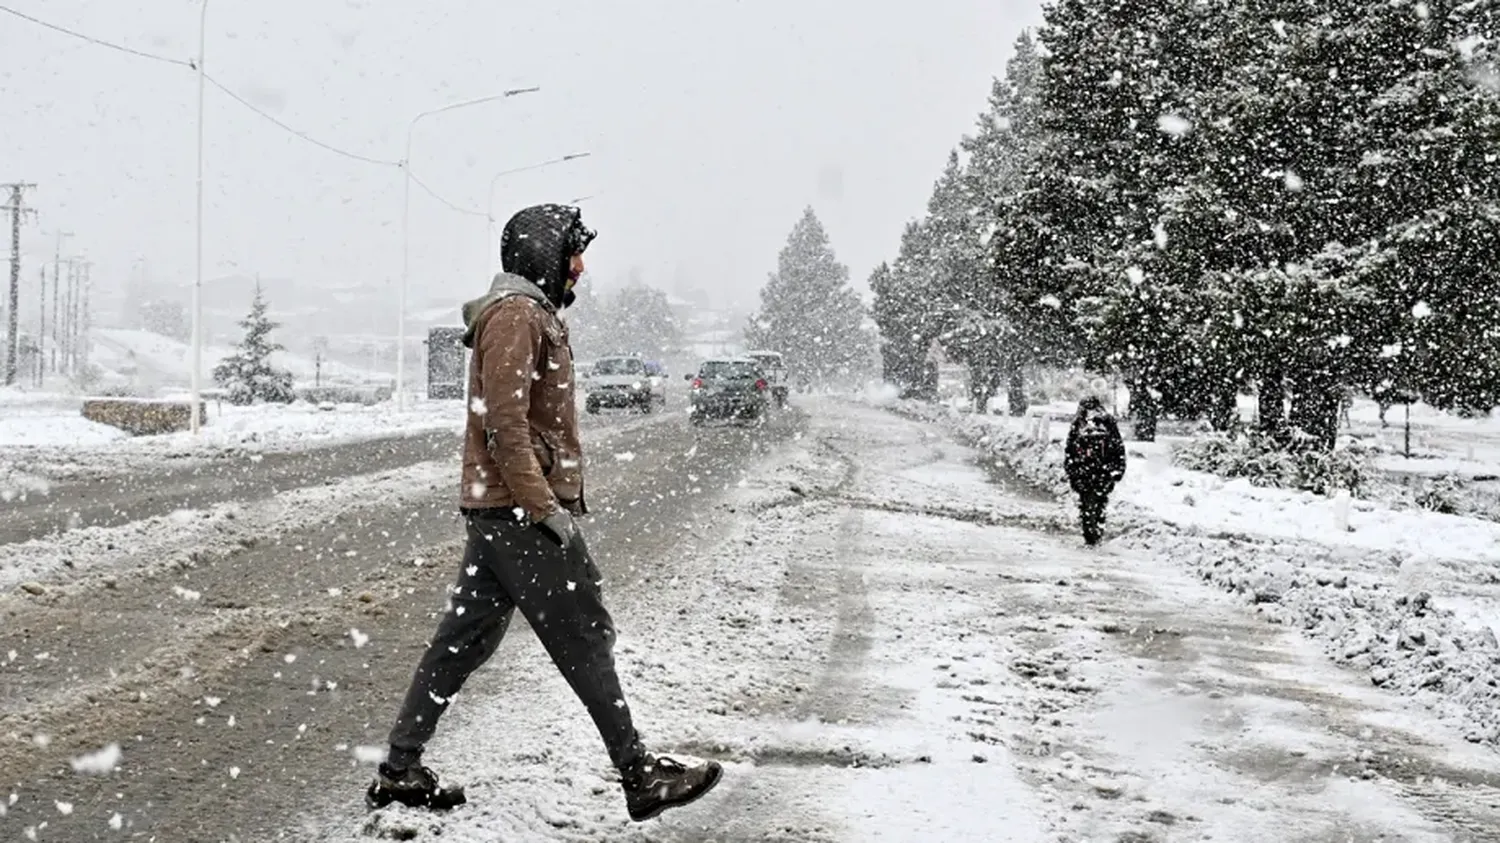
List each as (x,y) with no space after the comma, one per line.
(1094,461)
(522,484)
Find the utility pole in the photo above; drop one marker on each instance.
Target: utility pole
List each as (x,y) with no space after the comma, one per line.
(70,301)
(85,326)
(13,337)
(41,328)
(56,280)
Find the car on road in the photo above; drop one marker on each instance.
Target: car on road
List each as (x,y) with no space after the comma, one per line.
(774,366)
(623,382)
(730,387)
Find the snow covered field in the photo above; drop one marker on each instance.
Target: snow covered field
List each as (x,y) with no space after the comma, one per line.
(885,642)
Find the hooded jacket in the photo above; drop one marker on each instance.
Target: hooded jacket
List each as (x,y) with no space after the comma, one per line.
(521,444)
(1095,455)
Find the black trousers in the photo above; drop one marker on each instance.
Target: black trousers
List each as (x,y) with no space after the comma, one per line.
(511,565)
(1091,506)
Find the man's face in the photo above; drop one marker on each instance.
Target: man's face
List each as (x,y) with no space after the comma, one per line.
(575,270)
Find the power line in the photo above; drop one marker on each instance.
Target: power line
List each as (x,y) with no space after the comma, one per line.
(92,40)
(211,80)
(303,135)
(354,156)
(430,192)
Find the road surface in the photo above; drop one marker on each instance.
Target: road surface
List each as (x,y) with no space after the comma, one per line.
(883,640)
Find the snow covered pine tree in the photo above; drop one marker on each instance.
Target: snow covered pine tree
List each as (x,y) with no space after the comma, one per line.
(248,374)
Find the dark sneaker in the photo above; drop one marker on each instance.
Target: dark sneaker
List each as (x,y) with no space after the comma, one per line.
(414,787)
(667,782)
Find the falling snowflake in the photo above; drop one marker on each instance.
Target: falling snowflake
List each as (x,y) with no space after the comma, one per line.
(186,593)
(369,754)
(116,822)
(1292,181)
(1421,310)
(98,763)
(359,638)
(64,808)
(1174,124)
(476,406)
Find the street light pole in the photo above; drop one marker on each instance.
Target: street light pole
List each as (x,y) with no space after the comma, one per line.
(490,203)
(197,422)
(406,230)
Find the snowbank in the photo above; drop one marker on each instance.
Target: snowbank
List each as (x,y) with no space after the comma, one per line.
(46,425)
(54,422)
(1410,597)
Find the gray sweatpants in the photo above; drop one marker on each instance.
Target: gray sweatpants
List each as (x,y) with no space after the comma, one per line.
(510,565)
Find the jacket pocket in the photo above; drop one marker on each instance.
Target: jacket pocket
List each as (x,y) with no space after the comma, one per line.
(546,452)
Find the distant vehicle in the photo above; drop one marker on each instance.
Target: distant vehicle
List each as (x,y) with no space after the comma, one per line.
(733,387)
(774,366)
(622,381)
(657,373)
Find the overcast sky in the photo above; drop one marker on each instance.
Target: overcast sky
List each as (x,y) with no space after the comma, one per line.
(711,124)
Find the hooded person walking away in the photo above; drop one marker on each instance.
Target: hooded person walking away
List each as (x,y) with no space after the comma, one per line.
(1094,462)
(522,484)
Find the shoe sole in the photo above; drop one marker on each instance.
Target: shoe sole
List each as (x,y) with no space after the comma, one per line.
(713,781)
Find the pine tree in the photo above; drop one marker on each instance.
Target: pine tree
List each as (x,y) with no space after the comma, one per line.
(248,375)
(640,319)
(809,312)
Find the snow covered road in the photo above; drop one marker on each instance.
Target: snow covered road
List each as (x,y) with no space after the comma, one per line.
(882,639)
(885,643)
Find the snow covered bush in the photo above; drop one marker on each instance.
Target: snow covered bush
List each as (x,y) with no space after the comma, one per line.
(1441,494)
(1264,462)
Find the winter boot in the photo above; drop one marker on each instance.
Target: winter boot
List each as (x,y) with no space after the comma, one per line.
(665,782)
(414,787)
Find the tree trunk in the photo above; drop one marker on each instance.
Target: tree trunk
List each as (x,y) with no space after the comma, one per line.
(1016,392)
(1224,413)
(1143,411)
(1315,409)
(1271,406)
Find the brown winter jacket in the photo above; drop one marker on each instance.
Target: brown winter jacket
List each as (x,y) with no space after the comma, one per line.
(521,445)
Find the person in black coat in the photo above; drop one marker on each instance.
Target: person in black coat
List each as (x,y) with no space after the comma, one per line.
(1094,462)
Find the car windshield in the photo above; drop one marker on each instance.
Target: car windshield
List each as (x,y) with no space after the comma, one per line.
(729,370)
(623,366)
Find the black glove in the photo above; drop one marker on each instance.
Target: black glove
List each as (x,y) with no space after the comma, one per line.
(559,527)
